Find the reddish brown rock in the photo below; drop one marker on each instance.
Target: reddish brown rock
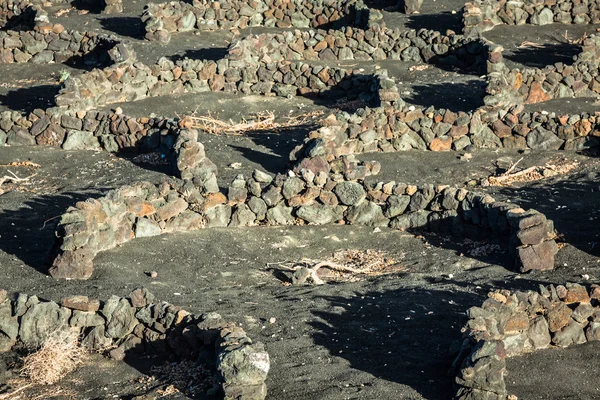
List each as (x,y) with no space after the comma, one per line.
(533,235)
(443,143)
(73,264)
(501,130)
(536,94)
(82,303)
(516,323)
(171,209)
(214,199)
(559,317)
(576,294)
(537,257)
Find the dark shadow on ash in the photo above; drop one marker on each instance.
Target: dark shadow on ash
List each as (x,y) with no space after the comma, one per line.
(279,143)
(28,232)
(131,27)
(546,54)
(20,23)
(573,204)
(388,5)
(213,54)
(451,96)
(351,93)
(92,6)
(29,98)
(440,22)
(403,335)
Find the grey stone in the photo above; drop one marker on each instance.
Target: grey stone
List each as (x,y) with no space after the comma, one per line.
(120,316)
(244,365)
(417,219)
(569,335)
(96,340)
(544,17)
(80,140)
(41,320)
(280,215)
(86,319)
(258,207)
(350,193)
(396,205)
(292,186)
(543,139)
(366,213)
(145,227)
(539,333)
(218,216)
(243,216)
(319,214)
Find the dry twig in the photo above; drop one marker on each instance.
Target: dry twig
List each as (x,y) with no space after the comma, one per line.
(347,263)
(13,178)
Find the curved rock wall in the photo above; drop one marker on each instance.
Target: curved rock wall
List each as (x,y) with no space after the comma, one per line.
(139,324)
(377,43)
(138,81)
(514,323)
(483,15)
(178,16)
(54,44)
(536,85)
(310,197)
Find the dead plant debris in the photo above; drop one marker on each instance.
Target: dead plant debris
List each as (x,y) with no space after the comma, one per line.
(59,354)
(342,266)
(552,168)
(263,121)
(186,377)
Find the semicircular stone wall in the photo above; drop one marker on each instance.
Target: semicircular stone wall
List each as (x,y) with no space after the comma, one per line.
(138,324)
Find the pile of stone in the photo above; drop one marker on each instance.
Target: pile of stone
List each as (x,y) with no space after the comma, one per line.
(161,20)
(312,196)
(139,324)
(376,43)
(513,323)
(482,15)
(49,43)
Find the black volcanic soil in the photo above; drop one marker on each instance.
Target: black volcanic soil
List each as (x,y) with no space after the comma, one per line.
(384,337)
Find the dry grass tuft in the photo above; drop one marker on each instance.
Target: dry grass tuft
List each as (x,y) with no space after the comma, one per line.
(59,354)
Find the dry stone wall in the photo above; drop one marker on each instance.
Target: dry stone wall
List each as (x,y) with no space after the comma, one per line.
(514,323)
(140,324)
(138,81)
(54,44)
(377,43)
(307,197)
(21,14)
(161,20)
(483,15)
(534,85)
